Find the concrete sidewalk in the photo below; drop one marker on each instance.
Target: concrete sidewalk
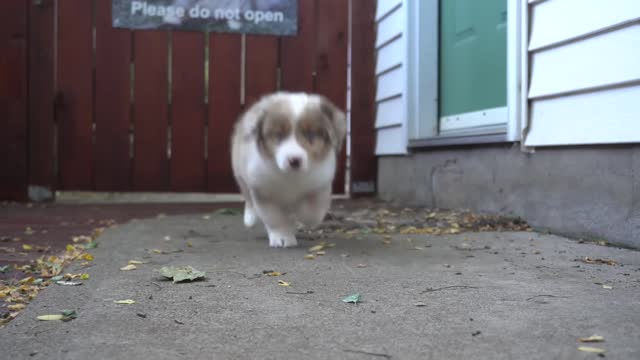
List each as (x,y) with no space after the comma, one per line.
(509,295)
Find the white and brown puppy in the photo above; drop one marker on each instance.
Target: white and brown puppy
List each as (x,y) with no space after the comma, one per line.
(284,151)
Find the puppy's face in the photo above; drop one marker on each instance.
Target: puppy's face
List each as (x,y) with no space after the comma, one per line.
(297,131)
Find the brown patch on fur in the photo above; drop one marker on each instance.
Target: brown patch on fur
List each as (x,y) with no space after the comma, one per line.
(273,127)
(312,132)
(337,121)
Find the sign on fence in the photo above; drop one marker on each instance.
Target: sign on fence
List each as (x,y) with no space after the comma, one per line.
(274,17)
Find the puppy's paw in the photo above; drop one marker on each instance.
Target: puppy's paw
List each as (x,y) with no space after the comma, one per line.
(279,239)
(249,217)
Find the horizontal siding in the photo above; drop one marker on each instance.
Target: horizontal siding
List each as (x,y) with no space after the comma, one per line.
(584,72)
(385,6)
(592,118)
(608,59)
(391,77)
(391,141)
(390,112)
(578,18)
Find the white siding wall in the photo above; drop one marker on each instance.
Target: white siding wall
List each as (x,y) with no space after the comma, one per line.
(584,72)
(391,77)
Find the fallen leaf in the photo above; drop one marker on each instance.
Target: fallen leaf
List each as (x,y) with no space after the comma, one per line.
(362,265)
(68,315)
(27,247)
(206,217)
(28,231)
(128,267)
(84,276)
(54,317)
(87,257)
(16,307)
(419,304)
(331,245)
(322,252)
(590,349)
(309,257)
(181,273)
(592,338)
(386,242)
(125,302)
(283,283)
(228,211)
(589,260)
(608,287)
(136,262)
(272,273)
(27,280)
(189,244)
(68,283)
(354,299)
(57,278)
(167,238)
(91,245)
(157,251)
(4,269)
(71,248)
(317,247)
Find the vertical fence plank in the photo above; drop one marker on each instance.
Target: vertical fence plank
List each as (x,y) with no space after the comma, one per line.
(187,113)
(75,87)
(363,91)
(298,52)
(261,67)
(224,108)
(331,64)
(13,101)
(151,111)
(113,106)
(41,107)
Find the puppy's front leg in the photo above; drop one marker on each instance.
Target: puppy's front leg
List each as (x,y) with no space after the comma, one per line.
(280,226)
(314,207)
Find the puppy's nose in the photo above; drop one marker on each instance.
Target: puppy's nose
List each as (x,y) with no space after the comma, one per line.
(295,162)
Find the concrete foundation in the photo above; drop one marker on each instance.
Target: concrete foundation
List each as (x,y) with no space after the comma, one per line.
(584,192)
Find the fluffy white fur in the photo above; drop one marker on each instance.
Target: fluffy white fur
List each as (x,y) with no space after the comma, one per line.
(275,192)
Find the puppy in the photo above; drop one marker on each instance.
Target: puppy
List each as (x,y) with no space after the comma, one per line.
(283,152)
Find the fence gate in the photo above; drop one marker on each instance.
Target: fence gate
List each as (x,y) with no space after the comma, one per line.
(153,110)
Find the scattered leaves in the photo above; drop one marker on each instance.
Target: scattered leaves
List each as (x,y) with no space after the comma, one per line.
(590,349)
(591,339)
(128,267)
(87,257)
(181,273)
(284,283)
(125,302)
(16,307)
(353,299)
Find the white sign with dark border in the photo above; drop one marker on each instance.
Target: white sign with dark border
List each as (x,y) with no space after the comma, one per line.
(269,17)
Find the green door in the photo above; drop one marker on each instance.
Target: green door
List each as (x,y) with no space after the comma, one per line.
(473,64)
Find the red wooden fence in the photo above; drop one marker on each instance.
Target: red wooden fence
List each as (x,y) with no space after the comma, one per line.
(129,110)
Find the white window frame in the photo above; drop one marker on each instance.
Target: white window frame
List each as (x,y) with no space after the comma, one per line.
(422,79)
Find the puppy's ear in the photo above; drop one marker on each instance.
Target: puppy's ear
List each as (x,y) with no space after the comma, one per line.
(338,121)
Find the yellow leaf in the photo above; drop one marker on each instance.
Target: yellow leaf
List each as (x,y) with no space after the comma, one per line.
(592,338)
(321,252)
(309,257)
(27,280)
(189,244)
(88,257)
(331,245)
(84,276)
(283,283)
(27,247)
(128,267)
(50,317)
(590,349)
(16,307)
(70,248)
(156,251)
(317,247)
(136,262)
(125,302)
(273,273)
